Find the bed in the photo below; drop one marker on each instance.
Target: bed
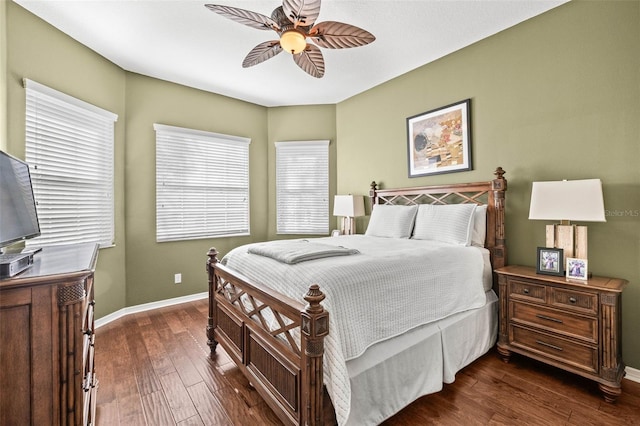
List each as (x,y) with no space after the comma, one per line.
(303,320)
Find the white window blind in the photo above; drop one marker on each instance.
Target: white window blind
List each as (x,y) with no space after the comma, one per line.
(202,184)
(69,148)
(302,187)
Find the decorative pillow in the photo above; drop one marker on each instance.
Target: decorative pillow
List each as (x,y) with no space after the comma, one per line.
(391,221)
(479,232)
(451,223)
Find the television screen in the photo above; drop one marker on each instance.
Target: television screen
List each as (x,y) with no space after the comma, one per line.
(18,216)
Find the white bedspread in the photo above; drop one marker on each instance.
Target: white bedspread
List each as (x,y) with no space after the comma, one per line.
(392,286)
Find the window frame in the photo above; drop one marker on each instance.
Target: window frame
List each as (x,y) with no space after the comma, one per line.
(69,146)
(184,184)
(313,183)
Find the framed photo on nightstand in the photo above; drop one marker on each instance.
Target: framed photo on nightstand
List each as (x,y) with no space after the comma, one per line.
(577,268)
(550,261)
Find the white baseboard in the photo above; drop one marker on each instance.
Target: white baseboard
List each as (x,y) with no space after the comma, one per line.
(148,306)
(632,374)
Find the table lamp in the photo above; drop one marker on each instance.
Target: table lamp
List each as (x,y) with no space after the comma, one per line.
(349,207)
(567,200)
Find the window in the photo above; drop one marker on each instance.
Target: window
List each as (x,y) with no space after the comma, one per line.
(69,148)
(202,184)
(302,187)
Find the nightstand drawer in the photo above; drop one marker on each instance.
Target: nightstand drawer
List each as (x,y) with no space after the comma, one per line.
(574,300)
(572,325)
(525,290)
(579,356)
(569,324)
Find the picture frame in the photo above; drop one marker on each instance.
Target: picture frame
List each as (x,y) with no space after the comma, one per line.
(336,233)
(577,269)
(439,141)
(550,261)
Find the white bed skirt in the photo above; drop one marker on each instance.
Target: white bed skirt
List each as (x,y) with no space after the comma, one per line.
(392,374)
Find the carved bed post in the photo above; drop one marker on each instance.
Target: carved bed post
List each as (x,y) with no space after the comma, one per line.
(503,332)
(499,186)
(314,327)
(211,322)
(372,194)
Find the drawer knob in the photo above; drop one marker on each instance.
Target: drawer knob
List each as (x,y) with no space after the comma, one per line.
(525,291)
(573,299)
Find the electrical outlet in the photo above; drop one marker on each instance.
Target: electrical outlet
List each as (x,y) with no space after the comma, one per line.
(177,279)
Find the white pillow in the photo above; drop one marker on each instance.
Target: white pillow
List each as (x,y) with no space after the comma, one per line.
(391,221)
(450,223)
(479,232)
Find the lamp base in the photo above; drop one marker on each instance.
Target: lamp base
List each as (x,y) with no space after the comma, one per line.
(348,225)
(572,239)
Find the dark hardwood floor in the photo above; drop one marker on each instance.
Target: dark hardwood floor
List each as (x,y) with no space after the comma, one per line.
(153,369)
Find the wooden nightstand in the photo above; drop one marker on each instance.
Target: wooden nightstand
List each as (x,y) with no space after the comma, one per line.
(573,325)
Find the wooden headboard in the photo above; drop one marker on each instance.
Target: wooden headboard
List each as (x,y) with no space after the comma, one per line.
(491,193)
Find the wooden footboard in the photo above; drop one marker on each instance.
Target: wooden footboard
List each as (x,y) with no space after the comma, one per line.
(276,341)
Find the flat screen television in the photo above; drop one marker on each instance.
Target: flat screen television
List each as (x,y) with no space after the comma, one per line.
(18,215)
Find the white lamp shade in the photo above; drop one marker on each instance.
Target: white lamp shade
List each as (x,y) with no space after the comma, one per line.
(578,200)
(348,205)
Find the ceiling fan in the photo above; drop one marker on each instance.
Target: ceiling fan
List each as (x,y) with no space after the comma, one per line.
(294,22)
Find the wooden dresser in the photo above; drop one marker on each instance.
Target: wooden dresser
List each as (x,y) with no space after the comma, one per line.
(573,325)
(47,375)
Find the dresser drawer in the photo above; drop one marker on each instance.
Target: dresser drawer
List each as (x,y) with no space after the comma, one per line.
(583,357)
(576,301)
(569,324)
(526,290)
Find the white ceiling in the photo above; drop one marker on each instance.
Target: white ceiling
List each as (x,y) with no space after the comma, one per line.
(183,42)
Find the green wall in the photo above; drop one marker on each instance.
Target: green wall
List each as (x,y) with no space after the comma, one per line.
(151,266)
(556,97)
(3,76)
(37,51)
(299,123)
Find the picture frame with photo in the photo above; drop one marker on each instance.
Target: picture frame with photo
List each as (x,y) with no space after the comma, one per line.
(577,269)
(550,261)
(439,141)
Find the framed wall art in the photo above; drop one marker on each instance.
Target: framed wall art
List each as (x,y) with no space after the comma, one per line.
(550,261)
(577,268)
(439,141)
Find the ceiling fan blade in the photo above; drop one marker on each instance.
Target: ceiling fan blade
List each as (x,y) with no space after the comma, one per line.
(337,35)
(302,13)
(261,53)
(246,17)
(311,61)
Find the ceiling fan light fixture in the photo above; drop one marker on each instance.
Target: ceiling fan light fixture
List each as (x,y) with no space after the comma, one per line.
(295,21)
(293,41)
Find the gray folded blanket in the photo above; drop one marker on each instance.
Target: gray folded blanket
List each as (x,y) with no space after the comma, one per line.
(295,251)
